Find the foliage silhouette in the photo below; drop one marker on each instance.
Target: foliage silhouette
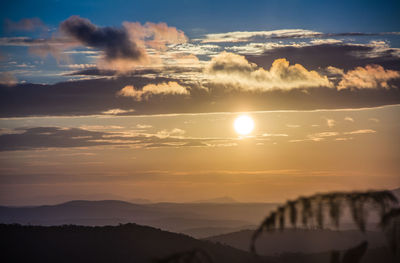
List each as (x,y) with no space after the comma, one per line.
(352,255)
(390,224)
(313,209)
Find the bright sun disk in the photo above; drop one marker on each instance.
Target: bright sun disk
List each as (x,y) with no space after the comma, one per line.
(243,124)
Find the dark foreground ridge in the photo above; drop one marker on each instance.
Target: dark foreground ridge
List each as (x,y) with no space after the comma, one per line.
(124,243)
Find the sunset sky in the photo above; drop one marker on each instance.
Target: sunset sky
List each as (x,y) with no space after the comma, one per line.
(137,99)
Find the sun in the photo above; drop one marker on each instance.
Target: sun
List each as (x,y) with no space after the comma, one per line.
(243,125)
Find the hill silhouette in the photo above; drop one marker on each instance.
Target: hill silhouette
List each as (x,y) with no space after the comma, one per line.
(123,243)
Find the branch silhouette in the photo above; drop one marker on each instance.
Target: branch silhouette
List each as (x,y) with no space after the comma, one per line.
(314,209)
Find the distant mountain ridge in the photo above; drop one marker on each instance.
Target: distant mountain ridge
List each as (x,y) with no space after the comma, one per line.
(218,200)
(176,217)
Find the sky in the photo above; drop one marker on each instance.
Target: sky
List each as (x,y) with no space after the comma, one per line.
(138,99)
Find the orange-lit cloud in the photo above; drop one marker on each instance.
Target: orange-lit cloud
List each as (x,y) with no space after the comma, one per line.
(157,36)
(237,72)
(165,88)
(330,122)
(362,131)
(368,77)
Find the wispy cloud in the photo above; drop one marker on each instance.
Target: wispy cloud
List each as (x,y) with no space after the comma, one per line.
(362,131)
(117,111)
(350,119)
(26,24)
(245,36)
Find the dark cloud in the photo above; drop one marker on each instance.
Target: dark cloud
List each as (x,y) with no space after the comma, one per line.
(93,72)
(136,72)
(114,42)
(43,137)
(56,137)
(88,97)
(31,42)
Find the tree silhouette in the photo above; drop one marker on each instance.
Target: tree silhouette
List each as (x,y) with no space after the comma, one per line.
(390,224)
(352,255)
(313,209)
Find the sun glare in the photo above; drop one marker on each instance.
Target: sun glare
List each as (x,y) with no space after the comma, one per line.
(243,125)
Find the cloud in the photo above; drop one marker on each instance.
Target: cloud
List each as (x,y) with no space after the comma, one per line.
(26,24)
(80,66)
(334,70)
(57,137)
(274,135)
(176,132)
(41,137)
(116,111)
(54,46)
(249,36)
(345,56)
(157,36)
(368,77)
(8,79)
(143,126)
(45,49)
(246,36)
(125,47)
(165,88)
(114,42)
(350,119)
(95,96)
(316,137)
(364,131)
(238,72)
(330,122)
(122,48)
